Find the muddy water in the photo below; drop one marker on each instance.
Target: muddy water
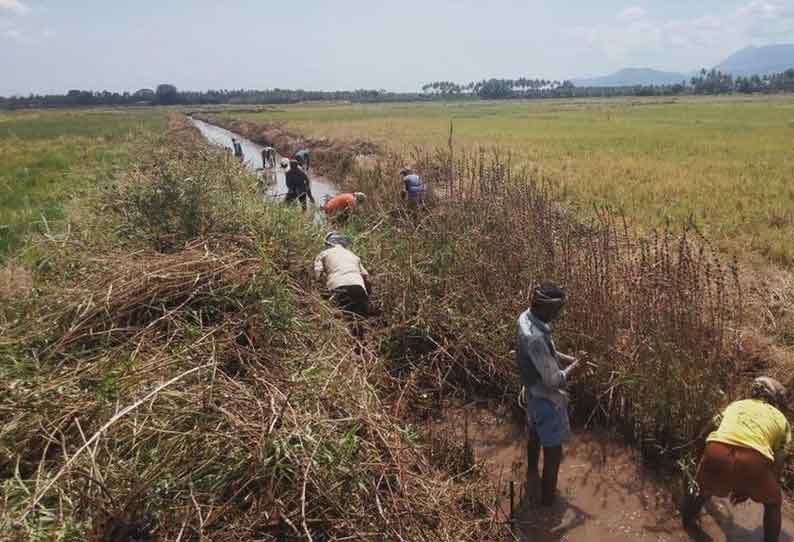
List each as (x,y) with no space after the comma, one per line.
(274,178)
(605,493)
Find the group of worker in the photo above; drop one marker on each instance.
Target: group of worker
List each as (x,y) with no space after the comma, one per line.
(743,457)
(341,205)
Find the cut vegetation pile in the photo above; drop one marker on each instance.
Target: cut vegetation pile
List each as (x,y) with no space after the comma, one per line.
(197,390)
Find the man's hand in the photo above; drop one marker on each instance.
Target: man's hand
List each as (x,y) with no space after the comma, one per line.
(577,368)
(578,365)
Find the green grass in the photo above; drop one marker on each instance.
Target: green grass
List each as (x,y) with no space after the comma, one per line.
(47,157)
(725,162)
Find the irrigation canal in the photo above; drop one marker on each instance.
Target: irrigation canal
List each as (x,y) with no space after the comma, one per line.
(605,493)
(275,178)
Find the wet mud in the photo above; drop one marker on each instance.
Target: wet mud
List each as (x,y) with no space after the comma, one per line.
(605,493)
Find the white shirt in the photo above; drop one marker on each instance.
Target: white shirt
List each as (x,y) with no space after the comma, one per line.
(341,267)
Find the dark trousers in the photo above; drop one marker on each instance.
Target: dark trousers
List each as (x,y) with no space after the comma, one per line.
(291,196)
(352,299)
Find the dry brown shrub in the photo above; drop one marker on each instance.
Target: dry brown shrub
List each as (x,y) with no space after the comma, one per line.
(205,393)
(16,281)
(659,313)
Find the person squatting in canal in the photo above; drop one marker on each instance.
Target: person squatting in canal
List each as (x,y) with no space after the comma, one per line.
(345,277)
(298,185)
(744,457)
(544,381)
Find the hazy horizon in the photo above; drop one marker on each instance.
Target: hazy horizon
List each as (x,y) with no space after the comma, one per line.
(51,47)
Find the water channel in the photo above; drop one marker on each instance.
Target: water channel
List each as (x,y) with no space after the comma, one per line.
(275,178)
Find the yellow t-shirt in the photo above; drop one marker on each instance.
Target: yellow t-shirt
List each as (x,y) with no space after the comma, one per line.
(754,424)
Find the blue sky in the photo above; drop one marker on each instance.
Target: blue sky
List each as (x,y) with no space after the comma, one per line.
(55,45)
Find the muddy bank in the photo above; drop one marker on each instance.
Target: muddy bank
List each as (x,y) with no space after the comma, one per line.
(605,492)
(331,159)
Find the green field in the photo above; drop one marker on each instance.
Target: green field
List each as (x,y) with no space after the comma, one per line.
(47,157)
(725,162)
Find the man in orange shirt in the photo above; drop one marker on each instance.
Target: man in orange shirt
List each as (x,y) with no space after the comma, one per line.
(342,204)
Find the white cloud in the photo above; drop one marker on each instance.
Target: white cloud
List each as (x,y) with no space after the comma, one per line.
(687,43)
(14,6)
(631,13)
(12,34)
(761,9)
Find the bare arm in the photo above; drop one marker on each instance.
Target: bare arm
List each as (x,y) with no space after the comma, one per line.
(566,358)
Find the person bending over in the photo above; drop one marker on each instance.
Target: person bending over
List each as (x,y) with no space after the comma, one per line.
(298,185)
(342,204)
(345,277)
(744,457)
(414,188)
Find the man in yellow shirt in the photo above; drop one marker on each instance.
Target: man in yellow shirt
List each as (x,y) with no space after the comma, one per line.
(744,457)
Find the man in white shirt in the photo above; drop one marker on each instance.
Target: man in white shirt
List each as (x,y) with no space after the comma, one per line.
(345,276)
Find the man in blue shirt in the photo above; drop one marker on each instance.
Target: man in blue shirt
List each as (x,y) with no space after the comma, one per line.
(414,187)
(544,381)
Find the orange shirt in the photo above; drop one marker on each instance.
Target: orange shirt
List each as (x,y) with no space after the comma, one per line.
(340,203)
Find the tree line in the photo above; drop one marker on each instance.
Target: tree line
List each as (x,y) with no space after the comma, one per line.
(707,82)
(167,94)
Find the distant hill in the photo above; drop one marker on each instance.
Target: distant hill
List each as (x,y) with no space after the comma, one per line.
(759,60)
(633,76)
(748,61)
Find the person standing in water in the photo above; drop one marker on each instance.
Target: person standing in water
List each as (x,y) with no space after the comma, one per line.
(238,149)
(745,455)
(268,157)
(298,185)
(544,380)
